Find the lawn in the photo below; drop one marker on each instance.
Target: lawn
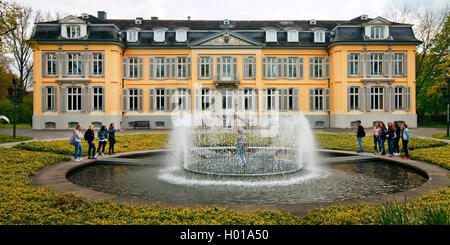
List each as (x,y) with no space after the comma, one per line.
(431,124)
(19,125)
(441,136)
(23,203)
(4,138)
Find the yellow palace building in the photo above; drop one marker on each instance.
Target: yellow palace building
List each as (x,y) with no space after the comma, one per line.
(137,72)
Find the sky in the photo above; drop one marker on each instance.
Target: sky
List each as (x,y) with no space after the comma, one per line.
(226,9)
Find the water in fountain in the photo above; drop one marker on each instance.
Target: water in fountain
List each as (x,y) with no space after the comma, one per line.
(277,146)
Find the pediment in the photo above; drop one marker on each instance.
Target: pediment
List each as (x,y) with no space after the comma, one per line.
(226,39)
(378,21)
(72,20)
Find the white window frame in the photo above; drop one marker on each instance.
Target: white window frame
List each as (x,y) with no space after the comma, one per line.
(377,32)
(73,31)
(376,64)
(292,36)
(206,99)
(204,71)
(159,36)
(249,68)
(353,64)
(160,65)
(397,63)
(290,97)
(354,98)
(248,99)
(98,93)
(51,98)
(51,63)
(272,98)
(182,97)
(181,67)
(377,98)
(292,68)
(319,36)
(181,36)
(133,67)
(319,99)
(75,62)
(132,36)
(160,99)
(318,65)
(271,67)
(226,68)
(271,36)
(98,60)
(227,99)
(398,98)
(74,98)
(133,99)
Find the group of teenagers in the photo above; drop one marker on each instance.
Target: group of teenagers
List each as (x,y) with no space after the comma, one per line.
(104,135)
(390,135)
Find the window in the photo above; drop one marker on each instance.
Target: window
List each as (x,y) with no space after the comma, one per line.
(292,67)
(376,98)
(133,100)
(204,64)
(51,125)
(160,100)
(226,68)
(50,104)
(75,63)
(97,64)
(227,98)
(377,32)
(271,67)
(73,31)
(317,67)
(74,99)
(271,36)
(207,98)
(132,36)
(272,96)
(159,63)
(376,64)
(73,124)
(249,67)
(133,67)
(318,100)
(398,98)
(181,67)
(319,124)
(181,36)
(353,64)
(319,36)
(289,100)
(98,99)
(160,124)
(97,124)
(159,36)
(182,100)
(248,98)
(292,36)
(397,62)
(51,63)
(353,98)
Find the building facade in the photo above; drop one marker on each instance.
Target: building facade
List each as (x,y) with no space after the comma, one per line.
(94,70)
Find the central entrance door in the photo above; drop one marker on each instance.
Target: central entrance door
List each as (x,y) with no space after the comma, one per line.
(228,107)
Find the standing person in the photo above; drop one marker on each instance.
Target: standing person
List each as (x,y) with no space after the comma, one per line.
(89,136)
(111,138)
(360,133)
(391,138)
(376,138)
(76,141)
(397,139)
(102,139)
(382,138)
(405,139)
(241,145)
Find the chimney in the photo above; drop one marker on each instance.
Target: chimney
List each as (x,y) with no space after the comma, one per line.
(101,15)
(154,18)
(189,17)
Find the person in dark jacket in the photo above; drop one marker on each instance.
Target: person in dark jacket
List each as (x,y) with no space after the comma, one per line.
(397,139)
(391,138)
(102,139)
(111,138)
(89,136)
(382,136)
(360,133)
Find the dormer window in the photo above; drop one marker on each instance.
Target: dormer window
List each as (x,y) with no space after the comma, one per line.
(181,35)
(377,32)
(226,22)
(84,16)
(73,31)
(138,21)
(292,36)
(312,22)
(271,36)
(132,36)
(159,36)
(319,36)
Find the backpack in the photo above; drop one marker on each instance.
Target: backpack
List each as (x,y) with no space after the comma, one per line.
(72,139)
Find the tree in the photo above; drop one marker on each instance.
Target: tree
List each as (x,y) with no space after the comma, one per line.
(8,15)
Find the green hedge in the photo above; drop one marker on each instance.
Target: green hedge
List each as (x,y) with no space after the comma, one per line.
(7,138)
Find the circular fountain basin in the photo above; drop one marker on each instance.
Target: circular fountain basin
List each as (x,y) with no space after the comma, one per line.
(261,161)
(157,181)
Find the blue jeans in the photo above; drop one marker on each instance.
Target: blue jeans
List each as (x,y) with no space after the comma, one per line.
(391,146)
(241,157)
(78,150)
(383,149)
(361,149)
(376,142)
(91,148)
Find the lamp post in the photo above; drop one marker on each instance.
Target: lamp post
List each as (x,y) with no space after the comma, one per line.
(446,90)
(15,94)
